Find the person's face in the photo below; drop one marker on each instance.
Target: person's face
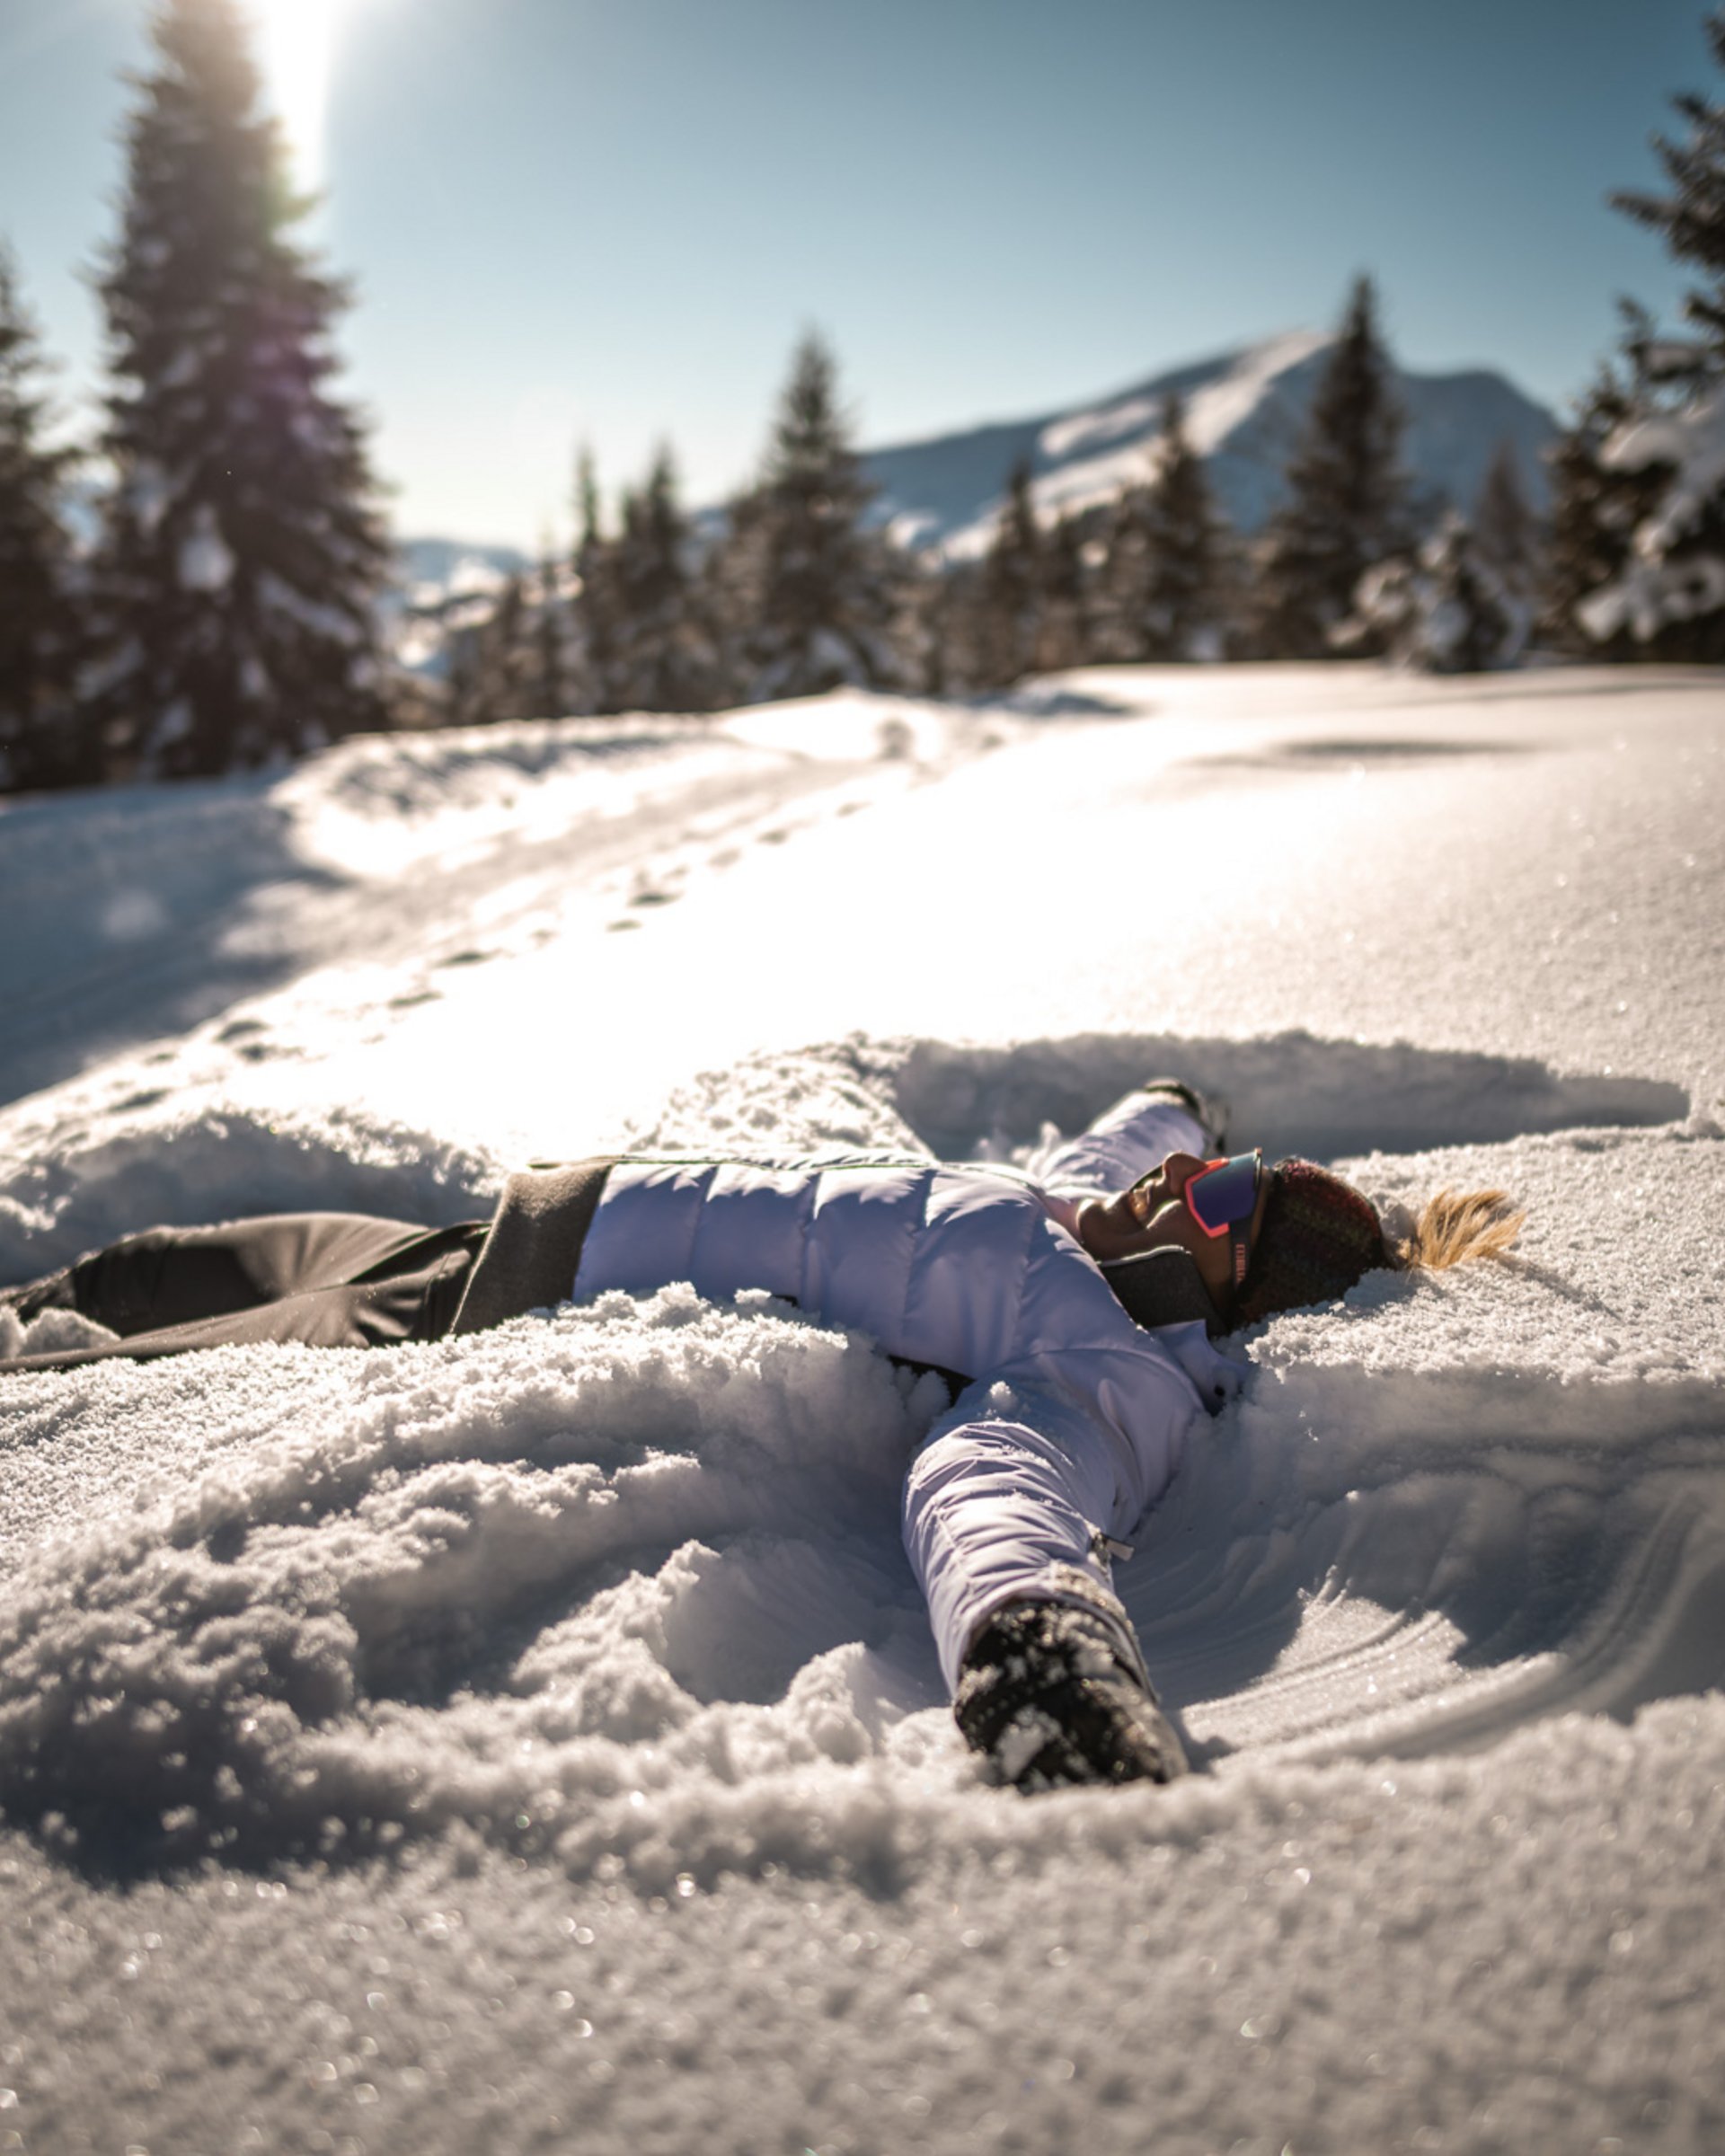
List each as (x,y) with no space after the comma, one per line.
(1152,1215)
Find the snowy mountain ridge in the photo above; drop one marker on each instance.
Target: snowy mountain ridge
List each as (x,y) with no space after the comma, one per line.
(1245,410)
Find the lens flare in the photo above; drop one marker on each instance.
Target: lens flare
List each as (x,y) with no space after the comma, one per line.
(297,40)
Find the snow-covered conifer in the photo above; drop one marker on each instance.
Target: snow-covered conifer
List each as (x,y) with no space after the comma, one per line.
(494,671)
(514,652)
(1692,216)
(1592,516)
(1663,463)
(1441,607)
(663,660)
(1009,593)
(940,634)
(242,550)
(1062,627)
(1507,532)
(1166,557)
(40,743)
(1347,506)
(597,623)
(810,595)
(1124,577)
(556,645)
(1668,596)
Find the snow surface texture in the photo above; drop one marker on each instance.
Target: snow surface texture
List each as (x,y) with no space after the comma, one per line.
(534,1741)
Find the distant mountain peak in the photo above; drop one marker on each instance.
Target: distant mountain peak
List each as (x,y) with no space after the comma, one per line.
(1245,410)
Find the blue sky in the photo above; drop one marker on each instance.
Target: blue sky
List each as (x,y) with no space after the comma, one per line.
(611,218)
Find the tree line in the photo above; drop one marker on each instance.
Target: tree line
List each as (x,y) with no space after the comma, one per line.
(795,590)
(226,614)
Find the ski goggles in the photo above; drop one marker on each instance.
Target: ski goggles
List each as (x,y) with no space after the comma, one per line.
(1221,1198)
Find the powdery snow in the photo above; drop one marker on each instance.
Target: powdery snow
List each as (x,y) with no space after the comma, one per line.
(534,1741)
(168,903)
(206,559)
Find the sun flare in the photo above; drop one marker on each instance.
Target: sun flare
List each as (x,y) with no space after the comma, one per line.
(296,41)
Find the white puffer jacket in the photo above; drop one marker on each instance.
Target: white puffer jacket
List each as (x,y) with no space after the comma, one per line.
(1075,1418)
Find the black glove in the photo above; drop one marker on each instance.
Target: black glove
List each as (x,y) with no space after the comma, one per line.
(1049,1696)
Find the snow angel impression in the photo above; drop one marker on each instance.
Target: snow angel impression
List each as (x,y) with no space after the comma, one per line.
(1075,1308)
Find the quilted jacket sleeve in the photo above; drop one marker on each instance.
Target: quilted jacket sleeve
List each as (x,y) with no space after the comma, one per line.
(1124,1143)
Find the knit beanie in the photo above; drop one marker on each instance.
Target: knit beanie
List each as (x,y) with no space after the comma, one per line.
(1319,1236)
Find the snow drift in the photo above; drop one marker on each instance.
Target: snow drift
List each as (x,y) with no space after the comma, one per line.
(536,1740)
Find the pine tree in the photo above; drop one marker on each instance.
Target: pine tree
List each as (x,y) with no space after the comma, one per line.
(663,661)
(1167,550)
(1593,515)
(1009,593)
(1666,599)
(1183,605)
(1507,532)
(462,698)
(494,673)
(242,553)
(555,648)
(944,629)
(1654,506)
(815,592)
(917,625)
(1126,572)
(597,622)
(1442,608)
(1063,633)
(1348,496)
(40,744)
(513,657)
(1692,216)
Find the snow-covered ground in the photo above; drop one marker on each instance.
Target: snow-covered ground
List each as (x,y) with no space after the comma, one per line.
(534,1743)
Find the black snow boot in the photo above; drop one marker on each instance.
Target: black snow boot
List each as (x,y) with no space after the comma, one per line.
(1210,1108)
(30,1298)
(1053,1697)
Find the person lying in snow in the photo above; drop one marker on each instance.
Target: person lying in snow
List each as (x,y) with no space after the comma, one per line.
(1072,1306)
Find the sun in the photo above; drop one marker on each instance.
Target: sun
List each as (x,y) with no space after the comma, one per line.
(296,41)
